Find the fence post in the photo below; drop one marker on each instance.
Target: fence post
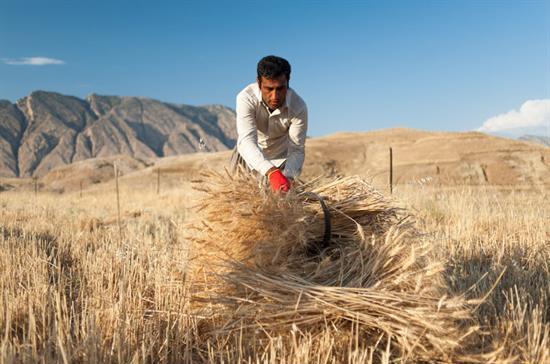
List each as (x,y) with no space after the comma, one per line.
(117,202)
(158,181)
(80,189)
(391,171)
(35,179)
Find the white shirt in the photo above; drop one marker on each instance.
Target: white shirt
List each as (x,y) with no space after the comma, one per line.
(267,139)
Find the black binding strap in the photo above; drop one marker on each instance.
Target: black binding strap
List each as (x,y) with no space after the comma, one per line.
(319,246)
(328,228)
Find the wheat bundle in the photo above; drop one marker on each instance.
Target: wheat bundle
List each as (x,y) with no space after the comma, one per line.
(263,264)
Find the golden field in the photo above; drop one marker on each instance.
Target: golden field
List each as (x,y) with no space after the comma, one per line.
(80,287)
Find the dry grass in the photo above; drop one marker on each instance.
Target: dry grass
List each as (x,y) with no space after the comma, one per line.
(73,292)
(481,233)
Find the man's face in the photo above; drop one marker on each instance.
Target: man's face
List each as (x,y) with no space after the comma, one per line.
(273,91)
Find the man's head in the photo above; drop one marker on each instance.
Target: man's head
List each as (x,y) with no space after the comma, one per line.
(273,78)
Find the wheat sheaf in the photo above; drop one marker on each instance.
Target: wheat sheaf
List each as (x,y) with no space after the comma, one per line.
(263,267)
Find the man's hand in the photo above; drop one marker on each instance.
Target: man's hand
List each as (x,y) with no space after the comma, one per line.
(277,180)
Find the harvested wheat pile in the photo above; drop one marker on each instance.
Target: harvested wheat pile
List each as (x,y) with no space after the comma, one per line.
(267,266)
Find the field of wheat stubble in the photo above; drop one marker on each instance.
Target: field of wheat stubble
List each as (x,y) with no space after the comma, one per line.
(429,274)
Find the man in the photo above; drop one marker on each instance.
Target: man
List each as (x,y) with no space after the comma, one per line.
(272,125)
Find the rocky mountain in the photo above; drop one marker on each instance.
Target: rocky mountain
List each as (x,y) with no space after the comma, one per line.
(536,139)
(46,130)
(517,133)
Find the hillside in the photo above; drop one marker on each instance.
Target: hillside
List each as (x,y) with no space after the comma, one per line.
(420,157)
(46,130)
(450,158)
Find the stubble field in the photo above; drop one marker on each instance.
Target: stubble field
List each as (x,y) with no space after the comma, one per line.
(80,286)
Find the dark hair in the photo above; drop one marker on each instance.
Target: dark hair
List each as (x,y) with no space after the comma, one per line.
(272,67)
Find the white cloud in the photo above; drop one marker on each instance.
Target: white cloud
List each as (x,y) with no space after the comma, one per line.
(532,113)
(32,61)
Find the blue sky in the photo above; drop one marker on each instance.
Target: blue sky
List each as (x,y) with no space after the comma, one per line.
(360,65)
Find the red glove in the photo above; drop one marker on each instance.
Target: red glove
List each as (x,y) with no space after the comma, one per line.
(278,181)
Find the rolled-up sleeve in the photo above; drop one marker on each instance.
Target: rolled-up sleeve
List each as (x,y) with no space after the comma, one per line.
(296,144)
(247,142)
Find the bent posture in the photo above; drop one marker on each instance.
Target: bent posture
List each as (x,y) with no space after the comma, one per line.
(272,125)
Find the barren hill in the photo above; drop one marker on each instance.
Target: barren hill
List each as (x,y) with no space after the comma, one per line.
(46,130)
(419,157)
(451,158)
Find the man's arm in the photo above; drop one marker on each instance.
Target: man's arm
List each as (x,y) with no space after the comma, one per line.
(247,142)
(296,145)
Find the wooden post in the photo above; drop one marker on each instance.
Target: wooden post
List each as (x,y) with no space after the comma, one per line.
(35,186)
(118,202)
(158,181)
(391,171)
(80,189)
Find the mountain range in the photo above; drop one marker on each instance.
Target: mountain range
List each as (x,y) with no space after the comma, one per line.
(46,130)
(536,139)
(60,138)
